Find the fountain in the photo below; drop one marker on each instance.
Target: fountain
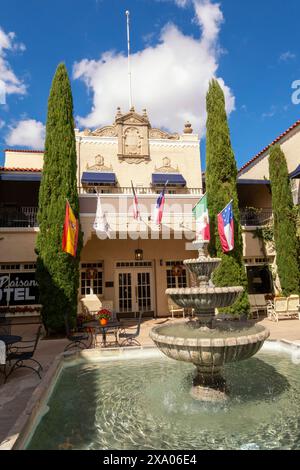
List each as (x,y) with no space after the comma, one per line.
(207,342)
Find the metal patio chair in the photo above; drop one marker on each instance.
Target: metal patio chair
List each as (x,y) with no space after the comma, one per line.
(79,338)
(128,336)
(21,354)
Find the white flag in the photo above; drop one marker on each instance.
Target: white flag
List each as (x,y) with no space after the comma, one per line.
(101,226)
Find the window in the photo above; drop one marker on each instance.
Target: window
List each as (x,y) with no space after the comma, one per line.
(259,280)
(91,280)
(18,267)
(176,275)
(134,264)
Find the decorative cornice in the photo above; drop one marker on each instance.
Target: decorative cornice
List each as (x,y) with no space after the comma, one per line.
(159,134)
(173,143)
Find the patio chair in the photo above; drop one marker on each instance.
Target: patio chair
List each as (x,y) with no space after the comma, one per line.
(294,305)
(23,354)
(79,339)
(278,310)
(128,336)
(175,309)
(91,304)
(5,326)
(253,307)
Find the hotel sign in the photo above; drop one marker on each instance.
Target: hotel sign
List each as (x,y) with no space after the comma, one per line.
(18,289)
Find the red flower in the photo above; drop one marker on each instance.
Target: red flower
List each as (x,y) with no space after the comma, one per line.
(103,313)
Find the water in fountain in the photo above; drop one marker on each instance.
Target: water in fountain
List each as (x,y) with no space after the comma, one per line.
(207,342)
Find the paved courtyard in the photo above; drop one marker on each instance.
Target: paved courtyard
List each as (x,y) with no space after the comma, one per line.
(15,394)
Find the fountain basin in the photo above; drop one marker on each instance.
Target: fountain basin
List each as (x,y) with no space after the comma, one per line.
(202,266)
(204,298)
(210,349)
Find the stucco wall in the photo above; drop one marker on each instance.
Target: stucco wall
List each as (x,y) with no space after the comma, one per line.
(184,155)
(110,251)
(15,159)
(291,148)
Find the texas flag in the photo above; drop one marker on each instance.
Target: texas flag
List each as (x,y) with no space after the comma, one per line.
(136,211)
(226,228)
(159,208)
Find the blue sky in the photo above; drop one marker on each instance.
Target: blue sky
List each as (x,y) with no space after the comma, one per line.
(253,48)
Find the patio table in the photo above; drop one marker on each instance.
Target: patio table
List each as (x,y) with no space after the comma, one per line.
(10,339)
(96,327)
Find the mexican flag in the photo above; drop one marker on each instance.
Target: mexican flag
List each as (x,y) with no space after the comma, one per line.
(200,212)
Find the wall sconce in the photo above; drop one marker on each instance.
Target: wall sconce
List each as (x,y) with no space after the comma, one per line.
(139,254)
(161,262)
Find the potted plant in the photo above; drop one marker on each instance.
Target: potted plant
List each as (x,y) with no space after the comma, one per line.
(103,316)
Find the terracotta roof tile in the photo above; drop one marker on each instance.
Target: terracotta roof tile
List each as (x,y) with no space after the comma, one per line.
(296,124)
(24,150)
(32,170)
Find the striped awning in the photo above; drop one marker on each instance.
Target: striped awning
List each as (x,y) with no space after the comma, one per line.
(296,173)
(173,179)
(15,176)
(244,181)
(91,178)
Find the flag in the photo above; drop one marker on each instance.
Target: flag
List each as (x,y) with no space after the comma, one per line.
(159,208)
(136,212)
(200,212)
(70,232)
(226,228)
(101,226)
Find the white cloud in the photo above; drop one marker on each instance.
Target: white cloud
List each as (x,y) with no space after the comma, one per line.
(271,113)
(2,123)
(286,56)
(170,79)
(27,133)
(12,83)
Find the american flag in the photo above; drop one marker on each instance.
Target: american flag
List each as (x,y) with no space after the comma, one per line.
(159,208)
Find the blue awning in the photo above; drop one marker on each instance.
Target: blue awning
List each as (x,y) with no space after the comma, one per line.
(174,179)
(296,173)
(242,181)
(98,178)
(14,176)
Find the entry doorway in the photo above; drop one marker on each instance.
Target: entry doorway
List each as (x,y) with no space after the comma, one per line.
(134,289)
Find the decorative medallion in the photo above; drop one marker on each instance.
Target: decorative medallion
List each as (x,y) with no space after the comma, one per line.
(166,168)
(99,165)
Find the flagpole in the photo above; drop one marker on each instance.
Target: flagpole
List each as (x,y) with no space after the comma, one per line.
(127,13)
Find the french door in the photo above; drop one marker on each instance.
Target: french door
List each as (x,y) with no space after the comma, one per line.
(135,290)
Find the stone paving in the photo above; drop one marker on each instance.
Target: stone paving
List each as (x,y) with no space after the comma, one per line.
(15,394)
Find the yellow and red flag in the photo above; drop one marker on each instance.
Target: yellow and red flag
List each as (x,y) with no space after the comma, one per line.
(70,232)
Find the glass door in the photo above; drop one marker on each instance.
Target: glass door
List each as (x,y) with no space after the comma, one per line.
(143,289)
(125,292)
(135,290)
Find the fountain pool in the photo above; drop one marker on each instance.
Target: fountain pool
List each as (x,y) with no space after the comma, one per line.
(144,402)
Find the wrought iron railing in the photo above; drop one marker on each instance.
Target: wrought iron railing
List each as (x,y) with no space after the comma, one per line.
(16,216)
(254,217)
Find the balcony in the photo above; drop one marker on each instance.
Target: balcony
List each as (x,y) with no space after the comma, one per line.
(18,217)
(254,217)
(139,190)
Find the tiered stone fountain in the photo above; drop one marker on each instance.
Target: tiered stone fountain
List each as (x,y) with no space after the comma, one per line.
(205,341)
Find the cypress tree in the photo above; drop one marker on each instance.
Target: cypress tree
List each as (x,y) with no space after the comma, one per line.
(285,229)
(221,185)
(57,271)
